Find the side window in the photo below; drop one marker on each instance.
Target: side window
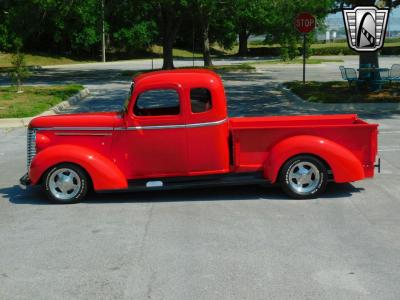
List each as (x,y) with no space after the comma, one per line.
(157,103)
(200,100)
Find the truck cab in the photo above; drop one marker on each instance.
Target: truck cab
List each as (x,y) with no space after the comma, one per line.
(175,124)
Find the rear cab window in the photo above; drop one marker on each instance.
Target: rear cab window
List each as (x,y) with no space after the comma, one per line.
(200,100)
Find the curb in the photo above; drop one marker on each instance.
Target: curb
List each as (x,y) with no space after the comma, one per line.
(58,109)
(360,108)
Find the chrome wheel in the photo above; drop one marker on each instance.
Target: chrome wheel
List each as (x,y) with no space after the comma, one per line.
(304,177)
(64,184)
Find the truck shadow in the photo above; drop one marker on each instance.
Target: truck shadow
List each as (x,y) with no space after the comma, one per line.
(34,195)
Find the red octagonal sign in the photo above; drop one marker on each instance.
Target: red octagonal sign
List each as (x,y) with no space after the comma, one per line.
(305,22)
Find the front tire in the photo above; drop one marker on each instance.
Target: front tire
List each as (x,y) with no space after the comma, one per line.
(65,184)
(303,177)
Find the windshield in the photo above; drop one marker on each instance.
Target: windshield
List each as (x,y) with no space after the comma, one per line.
(128,98)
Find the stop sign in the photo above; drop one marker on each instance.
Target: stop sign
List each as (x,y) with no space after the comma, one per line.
(305,22)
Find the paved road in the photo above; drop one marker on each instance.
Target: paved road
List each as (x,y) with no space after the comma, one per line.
(220,243)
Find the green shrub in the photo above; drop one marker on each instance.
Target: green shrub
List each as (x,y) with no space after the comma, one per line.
(19,70)
(287,52)
(334,51)
(391,50)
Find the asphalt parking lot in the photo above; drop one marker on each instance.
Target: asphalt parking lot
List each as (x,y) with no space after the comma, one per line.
(222,243)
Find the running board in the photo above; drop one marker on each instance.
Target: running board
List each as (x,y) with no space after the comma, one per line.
(168,183)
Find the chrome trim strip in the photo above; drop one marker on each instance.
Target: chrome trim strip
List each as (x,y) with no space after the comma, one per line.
(78,128)
(193,125)
(82,133)
(152,127)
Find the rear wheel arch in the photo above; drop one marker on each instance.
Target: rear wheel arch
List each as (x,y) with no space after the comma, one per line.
(343,164)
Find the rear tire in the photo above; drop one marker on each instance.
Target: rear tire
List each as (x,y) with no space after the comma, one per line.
(303,177)
(66,184)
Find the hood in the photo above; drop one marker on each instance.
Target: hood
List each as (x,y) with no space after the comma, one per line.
(101,119)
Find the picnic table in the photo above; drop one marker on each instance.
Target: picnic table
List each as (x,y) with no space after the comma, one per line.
(374,77)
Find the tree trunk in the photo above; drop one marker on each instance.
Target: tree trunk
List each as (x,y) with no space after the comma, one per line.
(368,59)
(206,44)
(243,37)
(19,90)
(170,22)
(168,58)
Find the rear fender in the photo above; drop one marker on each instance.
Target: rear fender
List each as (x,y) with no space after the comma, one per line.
(344,164)
(104,173)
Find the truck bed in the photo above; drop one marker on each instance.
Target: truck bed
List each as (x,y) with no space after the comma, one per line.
(253,137)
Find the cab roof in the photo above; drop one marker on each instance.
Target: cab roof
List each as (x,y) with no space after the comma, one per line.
(177,75)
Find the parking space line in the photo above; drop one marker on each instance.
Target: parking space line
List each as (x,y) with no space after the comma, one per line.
(389,149)
(390,132)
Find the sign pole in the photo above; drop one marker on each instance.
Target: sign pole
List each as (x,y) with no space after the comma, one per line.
(304,58)
(304,23)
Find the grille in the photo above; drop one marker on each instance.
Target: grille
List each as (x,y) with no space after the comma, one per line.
(30,147)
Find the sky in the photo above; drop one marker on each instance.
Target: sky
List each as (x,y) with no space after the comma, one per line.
(394,19)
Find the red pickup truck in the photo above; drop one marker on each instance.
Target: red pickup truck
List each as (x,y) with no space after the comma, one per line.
(174,132)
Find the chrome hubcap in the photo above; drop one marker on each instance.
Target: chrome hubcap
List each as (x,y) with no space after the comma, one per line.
(64,184)
(304,177)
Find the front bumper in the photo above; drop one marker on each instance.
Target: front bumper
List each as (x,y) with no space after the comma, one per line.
(24,180)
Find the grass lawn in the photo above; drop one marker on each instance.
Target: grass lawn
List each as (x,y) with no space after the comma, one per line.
(245,67)
(339,92)
(37,60)
(181,53)
(311,61)
(388,43)
(34,100)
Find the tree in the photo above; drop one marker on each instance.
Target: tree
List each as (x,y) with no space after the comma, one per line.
(19,71)
(56,25)
(204,10)
(132,26)
(250,17)
(169,17)
(281,27)
(214,22)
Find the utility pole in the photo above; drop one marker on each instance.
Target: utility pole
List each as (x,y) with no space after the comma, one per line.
(193,43)
(103,33)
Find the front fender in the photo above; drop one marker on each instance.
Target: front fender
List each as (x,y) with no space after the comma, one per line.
(344,164)
(104,173)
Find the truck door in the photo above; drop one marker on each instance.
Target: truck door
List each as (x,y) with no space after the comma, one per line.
(207,130)
(155,134)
